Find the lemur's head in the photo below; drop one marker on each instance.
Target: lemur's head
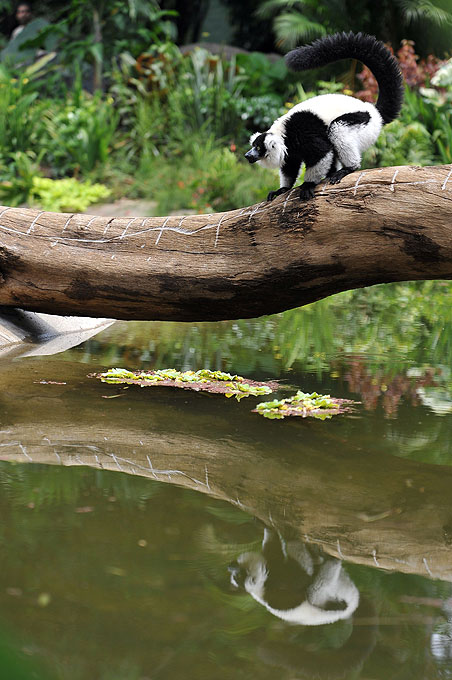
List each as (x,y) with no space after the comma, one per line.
(266,148)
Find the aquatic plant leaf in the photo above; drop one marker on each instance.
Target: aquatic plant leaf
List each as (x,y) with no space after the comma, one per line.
(303,405)
(203,380)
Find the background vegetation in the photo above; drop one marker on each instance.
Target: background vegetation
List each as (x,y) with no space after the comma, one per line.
(103,93)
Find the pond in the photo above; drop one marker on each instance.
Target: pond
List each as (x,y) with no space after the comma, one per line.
(157,534)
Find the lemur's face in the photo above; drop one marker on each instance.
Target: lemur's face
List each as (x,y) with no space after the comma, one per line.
(258,149)
(267,148)
(249,572)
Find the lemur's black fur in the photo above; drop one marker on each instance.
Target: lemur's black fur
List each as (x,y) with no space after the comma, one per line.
(365,48)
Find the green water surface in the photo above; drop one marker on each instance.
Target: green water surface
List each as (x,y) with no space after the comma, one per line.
(132,520)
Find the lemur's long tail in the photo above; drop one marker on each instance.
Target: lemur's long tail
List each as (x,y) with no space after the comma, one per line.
(369,51)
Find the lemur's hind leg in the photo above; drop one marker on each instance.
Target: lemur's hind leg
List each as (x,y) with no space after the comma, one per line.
(345,135)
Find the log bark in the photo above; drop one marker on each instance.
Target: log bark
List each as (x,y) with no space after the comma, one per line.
(376,226)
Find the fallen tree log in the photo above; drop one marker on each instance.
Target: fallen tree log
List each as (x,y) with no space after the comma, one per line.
(376,226)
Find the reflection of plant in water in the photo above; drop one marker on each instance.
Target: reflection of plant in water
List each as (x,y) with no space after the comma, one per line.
(378,387)
(394,329)
(389,325)
(27,486)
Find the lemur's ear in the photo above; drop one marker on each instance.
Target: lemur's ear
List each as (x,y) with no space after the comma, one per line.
(255,136)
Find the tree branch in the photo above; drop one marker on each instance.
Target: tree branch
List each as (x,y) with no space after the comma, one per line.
(376,226)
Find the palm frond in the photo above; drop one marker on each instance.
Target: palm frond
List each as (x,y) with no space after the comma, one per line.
(293,28)
(415,10)
(271,7)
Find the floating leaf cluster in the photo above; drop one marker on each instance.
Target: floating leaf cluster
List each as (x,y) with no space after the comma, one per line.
(304,405)
(202,380)
(217,382)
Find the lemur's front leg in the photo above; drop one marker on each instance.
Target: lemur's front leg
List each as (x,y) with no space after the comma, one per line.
(287,178)
(314,175)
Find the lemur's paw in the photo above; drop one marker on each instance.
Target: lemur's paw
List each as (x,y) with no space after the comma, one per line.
(307,191)
(336,177)
(272,195)
(278,192)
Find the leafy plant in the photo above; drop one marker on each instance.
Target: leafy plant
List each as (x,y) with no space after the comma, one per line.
(296,21)
(17,173)
(265,76)
(204,96)
(258,113)
(21,124)
(80,133)
(302,404)
(434,112)
(65,195)
(423,133)
(90,35)
(401,143)
(204,178)
(299,21)
(203,380)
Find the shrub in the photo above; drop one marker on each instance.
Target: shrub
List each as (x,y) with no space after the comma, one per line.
(79,133)
(401,143)
(17,170)
(205,179)
(65,195)
(21,124)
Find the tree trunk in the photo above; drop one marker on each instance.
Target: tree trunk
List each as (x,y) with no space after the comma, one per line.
(376,226)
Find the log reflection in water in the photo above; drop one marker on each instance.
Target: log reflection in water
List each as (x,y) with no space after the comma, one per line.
(379,511)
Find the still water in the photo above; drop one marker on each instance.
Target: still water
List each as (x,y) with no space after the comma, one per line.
(163,534)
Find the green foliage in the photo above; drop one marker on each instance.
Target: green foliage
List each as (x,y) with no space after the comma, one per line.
(201,376)
(258,113)
(299,21)
(18,170)
(204,97)
(65,195)
(301,404)
(418,10)
(80,132)
(201,380)
(295,21)
(20,115)
(90,34)
(265,76)
(401,143)
(203,178)
(179,97)
(24,48)
(433,109)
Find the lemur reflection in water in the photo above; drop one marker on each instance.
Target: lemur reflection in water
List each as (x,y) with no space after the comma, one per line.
(296,583)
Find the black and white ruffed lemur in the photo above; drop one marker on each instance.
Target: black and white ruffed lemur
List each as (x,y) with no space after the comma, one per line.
(328,133)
